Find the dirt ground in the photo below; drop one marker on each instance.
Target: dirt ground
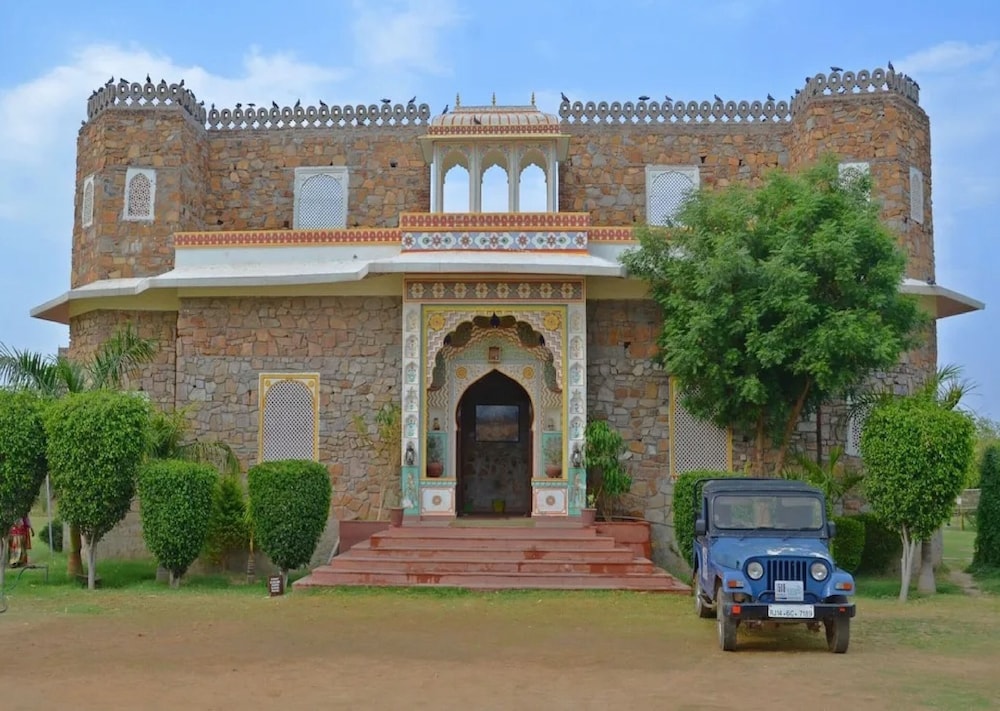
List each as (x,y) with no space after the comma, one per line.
(394,649)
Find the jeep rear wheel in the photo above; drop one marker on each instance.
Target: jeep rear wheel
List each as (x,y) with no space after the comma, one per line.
(727,625)
(838,634)
(702,608)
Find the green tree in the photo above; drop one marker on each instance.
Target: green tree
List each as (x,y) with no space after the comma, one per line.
(607,475)
(96,442)
(987,435)
(22,461)
(116,360)
(176,505)
(916,454)
(987,551)
(227,527)
(288,505)
(776,299)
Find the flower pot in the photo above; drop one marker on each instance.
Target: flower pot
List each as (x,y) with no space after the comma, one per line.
(553,471)
(396,516)
(435,469)
(588,516)
(499,505)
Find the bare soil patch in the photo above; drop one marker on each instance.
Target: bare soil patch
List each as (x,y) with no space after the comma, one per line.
(400,649)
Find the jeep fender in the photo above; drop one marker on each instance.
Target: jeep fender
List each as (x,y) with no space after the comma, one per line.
(733,581)
(839,578)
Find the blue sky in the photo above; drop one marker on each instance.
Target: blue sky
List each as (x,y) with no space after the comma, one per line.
(53,54)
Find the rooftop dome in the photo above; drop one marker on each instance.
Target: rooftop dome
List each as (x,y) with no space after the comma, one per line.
(494,121)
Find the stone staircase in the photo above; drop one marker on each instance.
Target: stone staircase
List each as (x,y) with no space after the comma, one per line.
(494,558)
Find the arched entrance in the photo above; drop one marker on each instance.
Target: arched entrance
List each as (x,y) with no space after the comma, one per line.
(494,455)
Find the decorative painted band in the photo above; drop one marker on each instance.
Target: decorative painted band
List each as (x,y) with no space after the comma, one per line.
(286,238)
(518,221)
(496,241)
(537,129)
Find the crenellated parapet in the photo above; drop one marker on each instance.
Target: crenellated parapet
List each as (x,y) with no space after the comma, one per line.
(139,94)
(719,110)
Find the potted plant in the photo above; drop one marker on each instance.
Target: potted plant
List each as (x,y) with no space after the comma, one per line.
(602,453)
(553,458)
(435,465)
(588,514)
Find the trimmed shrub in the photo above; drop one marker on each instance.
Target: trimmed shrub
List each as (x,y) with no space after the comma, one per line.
(987,550)
(227,528)
(42,535)
(883,546)
(288,503)
(96,442)
(686,494)
(22,457)
(849,544)
(176,504)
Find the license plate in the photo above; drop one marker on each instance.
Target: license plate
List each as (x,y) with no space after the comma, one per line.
(789,591)
(791,612)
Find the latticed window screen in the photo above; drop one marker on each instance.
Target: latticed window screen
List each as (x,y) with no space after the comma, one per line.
(320,198)
(87,206)
(853,171)
(666,189)
(916,195)
(140,193)
(694,443)
(855,423)
(288,417)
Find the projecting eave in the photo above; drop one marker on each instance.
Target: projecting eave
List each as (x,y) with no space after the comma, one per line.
(528,263)
(939,301)
(57,309)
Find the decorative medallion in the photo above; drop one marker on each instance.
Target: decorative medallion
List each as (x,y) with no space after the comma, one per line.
(552,321)
(550,500)
(436,500)
(436,322)
(461,372)
(528,372)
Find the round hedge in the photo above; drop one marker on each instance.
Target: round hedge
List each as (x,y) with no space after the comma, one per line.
(288,503)
(849,544)
(42,535)
(176,504)
(22,455)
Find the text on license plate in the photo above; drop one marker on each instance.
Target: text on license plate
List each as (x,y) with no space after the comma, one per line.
(793,612)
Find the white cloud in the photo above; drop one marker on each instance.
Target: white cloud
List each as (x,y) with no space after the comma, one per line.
(947,57)
(403,36)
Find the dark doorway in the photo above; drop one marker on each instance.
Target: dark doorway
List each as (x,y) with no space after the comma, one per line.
(494,448)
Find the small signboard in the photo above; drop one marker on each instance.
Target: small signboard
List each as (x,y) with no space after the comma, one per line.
(275,585)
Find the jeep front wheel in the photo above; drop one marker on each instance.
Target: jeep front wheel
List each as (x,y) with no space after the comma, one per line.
(838,634)
(726,624)
(703,609)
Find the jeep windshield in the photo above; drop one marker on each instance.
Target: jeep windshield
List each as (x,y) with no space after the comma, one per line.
(771,511)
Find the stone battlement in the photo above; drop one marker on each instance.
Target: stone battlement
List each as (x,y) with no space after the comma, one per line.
(139,94)
(721,111)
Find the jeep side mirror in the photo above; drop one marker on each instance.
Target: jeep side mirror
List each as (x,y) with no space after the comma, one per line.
(700,529)
(831,529)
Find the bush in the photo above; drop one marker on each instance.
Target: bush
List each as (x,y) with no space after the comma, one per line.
(176,505)
(883,546)
(987,550)
(849,544)
(227,528)
(686,494)
(288,503)
(22,456)
(42,535)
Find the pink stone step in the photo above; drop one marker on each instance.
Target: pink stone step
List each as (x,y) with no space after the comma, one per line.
(595,555)
(497,581)
(356,564)
(510,544)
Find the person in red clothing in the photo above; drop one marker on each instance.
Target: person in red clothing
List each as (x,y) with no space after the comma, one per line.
(20,543)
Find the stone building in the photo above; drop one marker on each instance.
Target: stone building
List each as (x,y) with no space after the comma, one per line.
(299,266)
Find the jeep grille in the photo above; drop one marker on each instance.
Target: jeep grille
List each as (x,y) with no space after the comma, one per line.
(785,569)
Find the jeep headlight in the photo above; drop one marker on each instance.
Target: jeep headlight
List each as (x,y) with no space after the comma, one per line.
(819,571)
(755,571)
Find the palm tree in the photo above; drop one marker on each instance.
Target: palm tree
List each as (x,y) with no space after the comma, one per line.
(115,361)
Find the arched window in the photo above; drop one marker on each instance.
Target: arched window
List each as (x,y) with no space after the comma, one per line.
(666,189)
(140,193)
(87,205)
(320,198)
(456,189)
(289,417)
(495,190)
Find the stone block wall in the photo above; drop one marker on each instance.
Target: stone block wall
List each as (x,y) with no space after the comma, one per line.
(354,343)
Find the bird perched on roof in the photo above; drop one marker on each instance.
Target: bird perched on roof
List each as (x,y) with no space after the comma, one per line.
(110,81)
(770,98)
(445,110)
(386,101)
(836,69)
(322,104)
(181,84)
(239,105)
(413,100)
(891,68)
(298,103)
(718,98)
(274,104)
(564,97)
(148,80)
(250,106)
(666,97)
(643,98)
(475,120)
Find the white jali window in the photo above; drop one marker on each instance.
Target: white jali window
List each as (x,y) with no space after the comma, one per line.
(320,198)
(694,443)
(289,416)
(667,186)
(140,193)
(850,172)
(87,203)
(855,423)
(916,195)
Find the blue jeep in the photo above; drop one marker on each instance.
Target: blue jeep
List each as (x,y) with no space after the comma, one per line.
(761,554)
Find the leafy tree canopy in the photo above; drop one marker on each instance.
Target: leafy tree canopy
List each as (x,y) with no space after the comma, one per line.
(776,299)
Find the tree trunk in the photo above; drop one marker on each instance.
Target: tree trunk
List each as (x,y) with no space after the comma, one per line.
(4,552)
(74,562)
(175,580)
(793,421)
(906,564)
(92,565)
(758,455)
(926,583)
